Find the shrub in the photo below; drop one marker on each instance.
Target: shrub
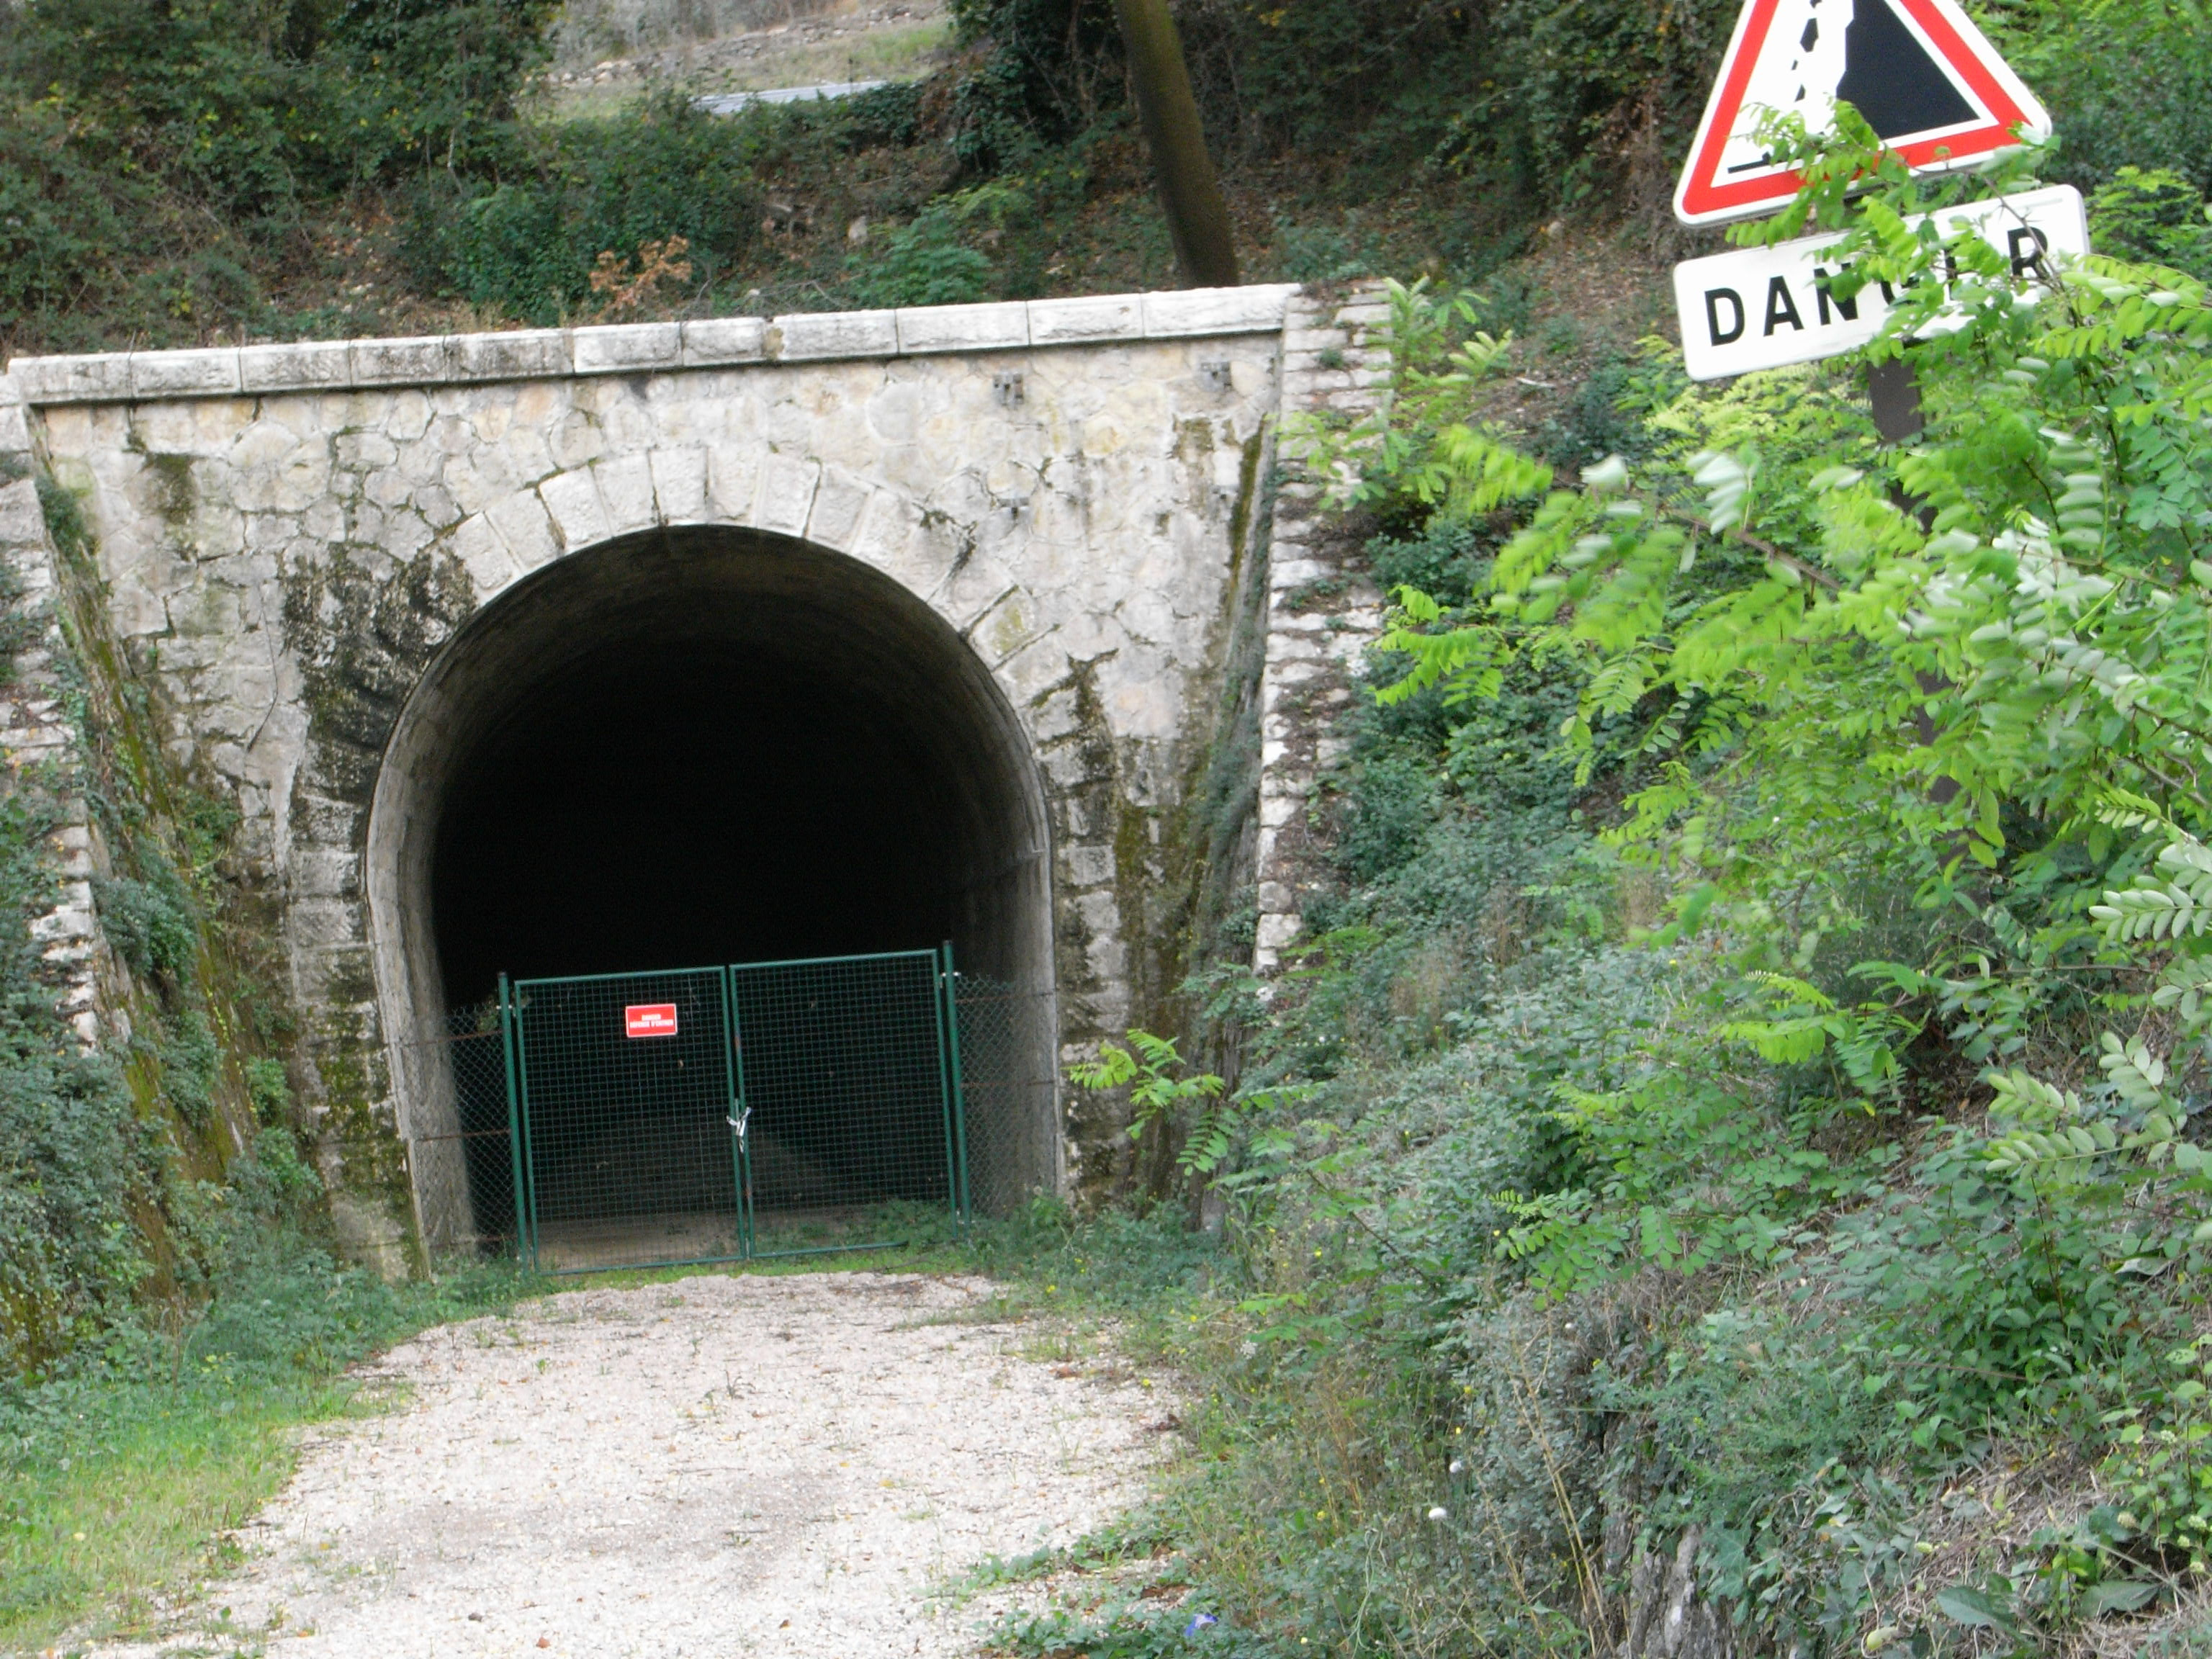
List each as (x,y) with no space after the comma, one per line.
(527,246)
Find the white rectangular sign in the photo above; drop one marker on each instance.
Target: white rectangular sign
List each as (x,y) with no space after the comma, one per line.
(1760,307)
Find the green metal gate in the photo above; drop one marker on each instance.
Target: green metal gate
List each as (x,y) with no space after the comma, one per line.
(729,1113)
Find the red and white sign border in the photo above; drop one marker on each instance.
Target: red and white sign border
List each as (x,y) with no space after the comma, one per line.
(1703,198)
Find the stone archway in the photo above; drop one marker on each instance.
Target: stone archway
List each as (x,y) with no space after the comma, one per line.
(691,745)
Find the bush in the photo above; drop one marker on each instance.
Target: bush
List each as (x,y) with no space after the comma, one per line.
(926,264)
(2158,216)
(526,246)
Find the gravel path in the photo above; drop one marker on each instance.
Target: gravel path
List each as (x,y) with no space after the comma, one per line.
(716,1466)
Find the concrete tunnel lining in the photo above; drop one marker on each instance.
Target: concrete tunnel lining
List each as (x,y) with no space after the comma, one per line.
(703,744)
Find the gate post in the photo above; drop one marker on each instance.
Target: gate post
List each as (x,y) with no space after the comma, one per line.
(525,1249)
(734,1074)
(955,1099)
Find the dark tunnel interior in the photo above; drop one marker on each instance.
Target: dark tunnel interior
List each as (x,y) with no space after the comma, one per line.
(700,804)
(735,753)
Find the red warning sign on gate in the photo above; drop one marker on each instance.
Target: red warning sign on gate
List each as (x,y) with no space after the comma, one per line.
(645,1019)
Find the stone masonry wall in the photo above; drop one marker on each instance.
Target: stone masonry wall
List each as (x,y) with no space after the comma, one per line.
(1324,611)
(289,535)
(38,745)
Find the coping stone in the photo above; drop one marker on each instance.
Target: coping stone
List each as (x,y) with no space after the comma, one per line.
(305,366)
(427,359)
(185,373)
(1184,312)
(627,348)
(714,341)
(99,377)
(1086,318)
(962,328)
(521,355)
(552,353)
(813,335)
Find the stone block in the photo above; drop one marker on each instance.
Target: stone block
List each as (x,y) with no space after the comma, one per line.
(841,501)
(323,922)
(888,536)
(786,494)
(1283,574)
(732,484)
(962,328)
(808,336)
(679,485)
(183,373)
(1275,932)
(429,360)
(572,500)
(101,377)
(326,873)
(1088,318)
(14,430)
(526,529)
(309,366)
(624,350)
(524,354)
(483,555)
(1192,311)
(1088,866)
(626,494)
(716,340)
(22,521)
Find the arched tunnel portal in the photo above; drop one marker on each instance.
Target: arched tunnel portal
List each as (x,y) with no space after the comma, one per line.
(699,746)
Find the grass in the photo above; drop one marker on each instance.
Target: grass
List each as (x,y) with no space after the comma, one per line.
(130,1528)
(118,1484)
(120,1479)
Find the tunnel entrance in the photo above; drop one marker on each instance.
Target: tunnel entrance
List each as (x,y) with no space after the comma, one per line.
(698,747)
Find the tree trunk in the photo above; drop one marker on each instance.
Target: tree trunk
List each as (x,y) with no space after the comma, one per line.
(1190,195)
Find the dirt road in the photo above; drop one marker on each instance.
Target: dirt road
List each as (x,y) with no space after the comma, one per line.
(717,1466)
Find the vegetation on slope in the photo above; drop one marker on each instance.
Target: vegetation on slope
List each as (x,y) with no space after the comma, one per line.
(1709,1128)
(178,171)
(172,1304)
(1744,1099)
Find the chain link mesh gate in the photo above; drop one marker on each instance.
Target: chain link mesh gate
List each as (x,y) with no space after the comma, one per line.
(458,1143)
(724,1114)
(625,1088)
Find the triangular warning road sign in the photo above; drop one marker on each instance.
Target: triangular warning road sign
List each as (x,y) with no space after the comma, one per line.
(1919,70)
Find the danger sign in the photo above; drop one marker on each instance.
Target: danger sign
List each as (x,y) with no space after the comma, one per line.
(649,1019)
(1919,70)
(1760,307)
